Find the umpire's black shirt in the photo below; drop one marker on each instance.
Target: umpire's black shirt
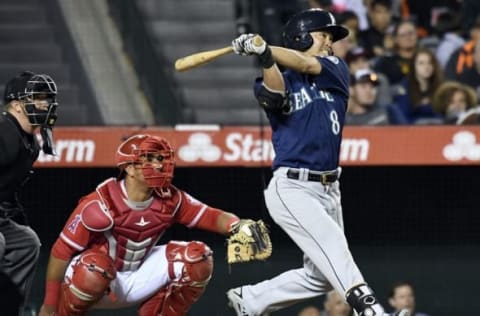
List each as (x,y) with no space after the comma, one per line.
(18,152)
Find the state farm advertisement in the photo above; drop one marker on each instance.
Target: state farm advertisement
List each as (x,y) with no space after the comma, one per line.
(251,146)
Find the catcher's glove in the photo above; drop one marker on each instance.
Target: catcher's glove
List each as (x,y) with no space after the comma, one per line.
(249,241)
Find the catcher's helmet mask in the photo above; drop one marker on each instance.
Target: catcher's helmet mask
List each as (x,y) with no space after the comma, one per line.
(296,34)
(141,150)
(28,87)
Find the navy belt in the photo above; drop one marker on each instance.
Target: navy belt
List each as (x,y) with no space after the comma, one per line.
(324,177)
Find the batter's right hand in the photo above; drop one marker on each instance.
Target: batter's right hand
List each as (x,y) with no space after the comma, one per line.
(238,44)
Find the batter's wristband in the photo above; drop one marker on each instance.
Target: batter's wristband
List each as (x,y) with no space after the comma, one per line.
(266,59)
(52,292)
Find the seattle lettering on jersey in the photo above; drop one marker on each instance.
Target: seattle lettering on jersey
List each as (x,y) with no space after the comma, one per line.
(300,99)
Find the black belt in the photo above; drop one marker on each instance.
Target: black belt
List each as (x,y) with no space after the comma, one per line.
(324,178)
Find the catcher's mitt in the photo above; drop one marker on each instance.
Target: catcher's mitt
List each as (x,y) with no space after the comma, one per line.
(249,241)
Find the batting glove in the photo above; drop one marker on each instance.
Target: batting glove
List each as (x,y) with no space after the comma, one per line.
(251,48)
(238,44)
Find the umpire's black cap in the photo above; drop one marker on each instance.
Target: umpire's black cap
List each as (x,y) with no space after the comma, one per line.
(15,87)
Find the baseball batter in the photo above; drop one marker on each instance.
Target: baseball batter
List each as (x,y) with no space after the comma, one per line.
(306,108)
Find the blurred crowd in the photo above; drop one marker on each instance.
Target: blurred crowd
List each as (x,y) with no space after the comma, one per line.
(401,294)
(411,62)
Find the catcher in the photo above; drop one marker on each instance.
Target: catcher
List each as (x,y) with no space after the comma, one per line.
(106,255)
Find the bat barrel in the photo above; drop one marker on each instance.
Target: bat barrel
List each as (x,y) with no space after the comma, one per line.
(201,58)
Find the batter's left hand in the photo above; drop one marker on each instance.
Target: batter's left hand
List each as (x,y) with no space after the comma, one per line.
(255,45)
(238,44)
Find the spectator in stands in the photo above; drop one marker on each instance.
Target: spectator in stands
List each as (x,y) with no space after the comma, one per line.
(397,65)
(359,7)
(448,29)
(464,64)
(359,58)
(414,96)
(349,19)
(362,108)
(380,18)
(342,46)
(335,305)
(470,117)
(470,13)
(401,296)
(425,12)
(326,5)
(453,100)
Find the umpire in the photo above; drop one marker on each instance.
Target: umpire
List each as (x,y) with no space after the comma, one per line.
(30,107)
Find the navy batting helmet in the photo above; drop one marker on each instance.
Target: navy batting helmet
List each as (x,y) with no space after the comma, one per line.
(296,34)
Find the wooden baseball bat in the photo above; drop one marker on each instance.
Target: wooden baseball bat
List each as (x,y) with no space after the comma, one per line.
(201,58)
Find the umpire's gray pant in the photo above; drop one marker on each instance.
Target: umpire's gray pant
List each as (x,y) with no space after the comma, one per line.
(19,251)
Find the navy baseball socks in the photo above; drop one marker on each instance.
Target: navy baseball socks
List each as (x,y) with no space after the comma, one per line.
(363,301)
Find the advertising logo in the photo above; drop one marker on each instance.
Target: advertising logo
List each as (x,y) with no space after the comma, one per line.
(244,147)
(199,147)
(464,146)
(71,150)
(354,149)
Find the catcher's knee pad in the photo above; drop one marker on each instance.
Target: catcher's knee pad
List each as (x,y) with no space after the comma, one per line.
(92,273)
(197,259)
(184,290)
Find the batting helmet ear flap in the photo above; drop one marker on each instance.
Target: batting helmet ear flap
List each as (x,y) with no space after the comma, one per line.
(300,42)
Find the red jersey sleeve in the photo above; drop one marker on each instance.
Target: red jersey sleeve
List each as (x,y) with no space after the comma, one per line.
(190,209)
(194,213)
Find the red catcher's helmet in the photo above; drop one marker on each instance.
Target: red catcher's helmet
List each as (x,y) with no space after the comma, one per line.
(138,147)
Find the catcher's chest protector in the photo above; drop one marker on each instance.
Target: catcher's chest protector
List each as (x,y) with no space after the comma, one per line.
(135,232)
